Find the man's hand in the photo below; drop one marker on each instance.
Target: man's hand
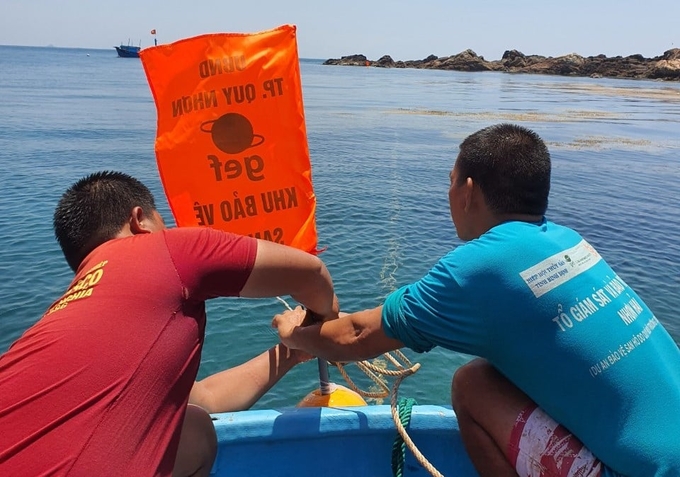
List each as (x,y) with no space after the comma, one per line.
(286,323)
(352,337)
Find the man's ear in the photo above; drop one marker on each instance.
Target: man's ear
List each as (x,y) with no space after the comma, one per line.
(138,221)
(468,194)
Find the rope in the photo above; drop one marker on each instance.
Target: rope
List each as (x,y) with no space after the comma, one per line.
(404,368)
(399,447)
(375,373)
(404,435)
(401,414)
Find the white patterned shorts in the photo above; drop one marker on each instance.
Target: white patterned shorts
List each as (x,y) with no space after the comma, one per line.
(540,447)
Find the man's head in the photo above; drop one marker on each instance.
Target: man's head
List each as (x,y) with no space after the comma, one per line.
(510,166)
(100,207)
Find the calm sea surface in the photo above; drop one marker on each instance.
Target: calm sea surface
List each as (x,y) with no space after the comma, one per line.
(382,143)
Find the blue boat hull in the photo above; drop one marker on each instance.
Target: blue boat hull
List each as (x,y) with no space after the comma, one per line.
(127,51)
(352,442)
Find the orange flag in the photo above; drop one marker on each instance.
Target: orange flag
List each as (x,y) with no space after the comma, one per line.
(231,143)
(153,32)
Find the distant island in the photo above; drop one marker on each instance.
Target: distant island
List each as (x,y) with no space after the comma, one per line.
(665,67)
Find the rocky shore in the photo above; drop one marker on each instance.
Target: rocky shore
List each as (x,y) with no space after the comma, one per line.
(665,67)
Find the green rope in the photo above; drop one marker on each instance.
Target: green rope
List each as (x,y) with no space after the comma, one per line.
(404,407)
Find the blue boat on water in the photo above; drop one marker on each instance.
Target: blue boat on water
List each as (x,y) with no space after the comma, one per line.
(351,441)
(128,51)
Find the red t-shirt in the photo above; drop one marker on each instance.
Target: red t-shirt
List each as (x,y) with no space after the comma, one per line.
(99,385)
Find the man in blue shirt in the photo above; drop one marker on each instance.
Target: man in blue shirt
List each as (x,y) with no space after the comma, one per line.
(575,375)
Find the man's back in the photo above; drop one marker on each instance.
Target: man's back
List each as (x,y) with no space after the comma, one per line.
(546,310)
(99,385)
(585,347)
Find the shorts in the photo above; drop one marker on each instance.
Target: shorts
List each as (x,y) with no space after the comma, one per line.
(540,447)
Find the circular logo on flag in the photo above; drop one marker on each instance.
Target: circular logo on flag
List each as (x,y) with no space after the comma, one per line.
(232,133)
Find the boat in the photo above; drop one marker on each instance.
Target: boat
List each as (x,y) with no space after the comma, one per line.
(128,51)
(350,441)
(333,431)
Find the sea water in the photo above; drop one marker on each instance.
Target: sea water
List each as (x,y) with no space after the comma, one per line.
(382,143)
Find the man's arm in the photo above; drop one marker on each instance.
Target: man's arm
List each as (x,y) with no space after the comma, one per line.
(281,270)
(238,388)
(352,337)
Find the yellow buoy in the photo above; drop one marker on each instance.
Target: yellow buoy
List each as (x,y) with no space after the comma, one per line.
(340,396)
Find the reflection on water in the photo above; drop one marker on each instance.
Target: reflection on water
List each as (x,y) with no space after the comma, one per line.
(527,116)
(589,141)
(662,93)
(600,142)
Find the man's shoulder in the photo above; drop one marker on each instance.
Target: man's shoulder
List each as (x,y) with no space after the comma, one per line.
(188,231)
(211,262)
(519,233)
(201,233)
(512,244)
(206,241)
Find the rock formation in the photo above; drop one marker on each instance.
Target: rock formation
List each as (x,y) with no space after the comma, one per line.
(665,67)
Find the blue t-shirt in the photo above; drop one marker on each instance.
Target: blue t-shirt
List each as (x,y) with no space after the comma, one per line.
(540,304)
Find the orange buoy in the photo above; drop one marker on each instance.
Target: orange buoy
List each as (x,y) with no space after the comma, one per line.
(340,396)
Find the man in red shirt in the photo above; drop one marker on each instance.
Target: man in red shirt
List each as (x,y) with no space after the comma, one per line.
(100,385)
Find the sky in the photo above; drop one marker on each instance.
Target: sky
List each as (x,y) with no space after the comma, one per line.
(403,29)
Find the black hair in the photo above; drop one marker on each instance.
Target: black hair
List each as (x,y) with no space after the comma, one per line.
(511,165)
(94,209)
